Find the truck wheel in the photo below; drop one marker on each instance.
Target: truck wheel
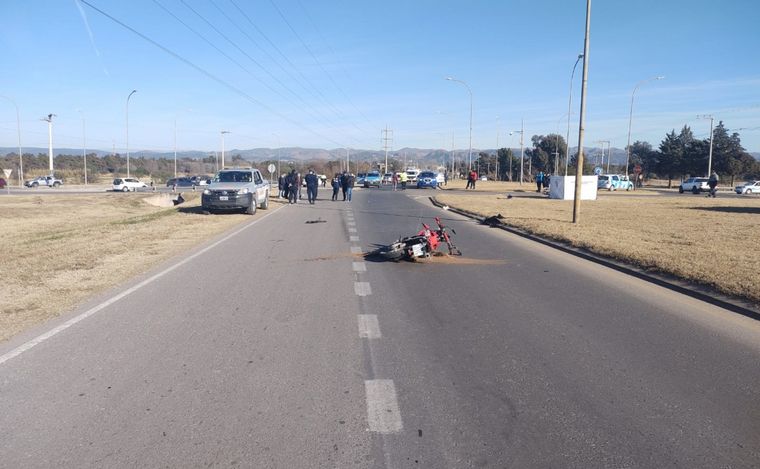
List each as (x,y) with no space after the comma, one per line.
(680,189)
(251,210)
(125,189)
(56,184)
(265,204)
(35,184)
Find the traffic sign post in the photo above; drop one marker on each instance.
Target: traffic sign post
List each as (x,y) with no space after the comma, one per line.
(271,169)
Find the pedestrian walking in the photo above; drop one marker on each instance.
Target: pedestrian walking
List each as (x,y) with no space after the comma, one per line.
(713,183)
(312,185)
(446,178)
(539,181)
(394,180)
(403,177)
(291,185)
(344,184)
(350,186)
(281,185)
(335,187)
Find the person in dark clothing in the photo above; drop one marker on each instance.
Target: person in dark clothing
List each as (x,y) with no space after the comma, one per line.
(335,187)
(344,184)
(292,186)
(712,182)
(312,185)
(539,180)
(281,185)
(350,185)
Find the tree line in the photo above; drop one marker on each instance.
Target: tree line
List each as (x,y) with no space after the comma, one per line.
(679,155)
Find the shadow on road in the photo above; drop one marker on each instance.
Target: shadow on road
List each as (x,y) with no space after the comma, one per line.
(751,210)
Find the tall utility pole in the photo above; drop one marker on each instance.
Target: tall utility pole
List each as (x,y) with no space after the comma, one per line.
(223,133)
(709,159)
(175,147)
(579,168)
(130,95)
(522,148)
(386,139)
(49,120)
(603,142)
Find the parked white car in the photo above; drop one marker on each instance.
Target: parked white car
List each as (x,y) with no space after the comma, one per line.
(749,187)
(411,174)
(127,184)
(695,185)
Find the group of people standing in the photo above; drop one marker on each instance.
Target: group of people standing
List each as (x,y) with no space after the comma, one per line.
(290,186)
(472,177)
(343,182)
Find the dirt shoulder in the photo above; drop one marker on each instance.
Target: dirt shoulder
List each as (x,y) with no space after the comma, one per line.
(705,240)
(59,250)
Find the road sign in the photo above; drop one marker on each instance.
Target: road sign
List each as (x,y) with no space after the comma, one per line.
(598,170)
(271,167)
(7,172)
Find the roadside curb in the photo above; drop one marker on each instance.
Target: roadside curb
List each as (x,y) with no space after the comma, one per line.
(700,292)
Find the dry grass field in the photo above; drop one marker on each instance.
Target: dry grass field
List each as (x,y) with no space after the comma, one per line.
(58,250)
(709,241)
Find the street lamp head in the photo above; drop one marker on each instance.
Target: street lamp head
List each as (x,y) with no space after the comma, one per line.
(659,78)
(450,78)
(580,56)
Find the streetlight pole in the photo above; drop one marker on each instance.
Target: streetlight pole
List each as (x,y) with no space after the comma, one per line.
(223,132)
(709,159)
(130,95)
(84,146)
(175,147)
(18,128)
(469,153)
(569,113)
(630,121)
(49,120)
(602,142)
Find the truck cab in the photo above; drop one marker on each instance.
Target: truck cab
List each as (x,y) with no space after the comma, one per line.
(236,189)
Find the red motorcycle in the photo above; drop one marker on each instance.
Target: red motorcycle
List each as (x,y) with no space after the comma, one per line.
(423,244)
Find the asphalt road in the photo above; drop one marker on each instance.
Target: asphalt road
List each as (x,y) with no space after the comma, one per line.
(280,346)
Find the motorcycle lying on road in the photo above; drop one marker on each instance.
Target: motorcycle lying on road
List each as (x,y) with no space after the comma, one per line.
(423,244)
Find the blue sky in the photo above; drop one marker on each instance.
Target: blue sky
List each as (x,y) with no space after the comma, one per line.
(353,67)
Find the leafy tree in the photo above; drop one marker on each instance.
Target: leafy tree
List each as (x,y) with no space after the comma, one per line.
(507,161)
(543,154)
(643,154)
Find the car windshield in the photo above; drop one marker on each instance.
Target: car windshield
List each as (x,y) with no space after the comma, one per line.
(427,175)
(603,178)
(233,176)
(373,175)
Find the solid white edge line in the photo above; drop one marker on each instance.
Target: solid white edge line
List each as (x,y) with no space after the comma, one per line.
(43,337)
(383,414)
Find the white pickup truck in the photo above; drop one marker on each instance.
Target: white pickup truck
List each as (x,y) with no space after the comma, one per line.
(236,189)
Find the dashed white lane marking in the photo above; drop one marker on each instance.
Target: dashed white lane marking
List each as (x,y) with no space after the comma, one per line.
(362,288)
(383,415)
(353,238)
(41,338)
(356,250)
(369,328)
(351,223)
(352,230)
(359,266)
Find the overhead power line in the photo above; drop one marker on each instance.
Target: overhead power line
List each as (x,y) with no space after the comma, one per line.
(209,74)
(313,56)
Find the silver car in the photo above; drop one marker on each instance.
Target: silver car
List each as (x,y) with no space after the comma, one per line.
(749,187)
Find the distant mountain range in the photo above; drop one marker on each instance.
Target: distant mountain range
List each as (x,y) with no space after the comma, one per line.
(306,154)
